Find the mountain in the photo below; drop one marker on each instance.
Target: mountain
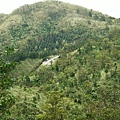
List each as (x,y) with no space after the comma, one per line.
(81,78)
(44,28)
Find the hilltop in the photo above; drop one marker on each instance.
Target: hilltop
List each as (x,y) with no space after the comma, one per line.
(44,28)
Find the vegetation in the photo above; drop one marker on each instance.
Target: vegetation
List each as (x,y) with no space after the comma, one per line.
(83,84)
(38,31)
(6,81)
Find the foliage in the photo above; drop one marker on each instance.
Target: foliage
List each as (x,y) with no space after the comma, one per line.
(6,81)
(82,84)
(54,108)
(35,29)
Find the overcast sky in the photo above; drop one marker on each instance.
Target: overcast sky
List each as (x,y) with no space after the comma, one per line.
(110,7)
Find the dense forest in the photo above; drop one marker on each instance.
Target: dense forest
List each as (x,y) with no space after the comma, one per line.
(83,83)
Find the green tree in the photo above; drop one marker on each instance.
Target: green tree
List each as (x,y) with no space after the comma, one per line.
(55,107)
(90,13)
(6,81)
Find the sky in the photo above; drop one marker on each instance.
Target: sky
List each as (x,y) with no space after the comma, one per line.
(110,7)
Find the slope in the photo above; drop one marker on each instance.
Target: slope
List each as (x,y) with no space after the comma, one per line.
(44,28)
(80,85)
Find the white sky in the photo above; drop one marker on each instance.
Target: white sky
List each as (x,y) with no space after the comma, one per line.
(110,7)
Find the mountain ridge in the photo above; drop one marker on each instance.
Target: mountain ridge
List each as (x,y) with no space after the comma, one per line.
(33,24)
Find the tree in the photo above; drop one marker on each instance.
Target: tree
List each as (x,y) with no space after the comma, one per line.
(90,13)
(6,81)
(54,107)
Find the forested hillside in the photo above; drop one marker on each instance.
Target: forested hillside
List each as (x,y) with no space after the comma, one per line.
(82,83)
(43,28)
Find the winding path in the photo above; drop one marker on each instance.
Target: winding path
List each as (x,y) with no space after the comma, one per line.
(48,62)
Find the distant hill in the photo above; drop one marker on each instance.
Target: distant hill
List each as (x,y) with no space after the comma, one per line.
(44,28)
